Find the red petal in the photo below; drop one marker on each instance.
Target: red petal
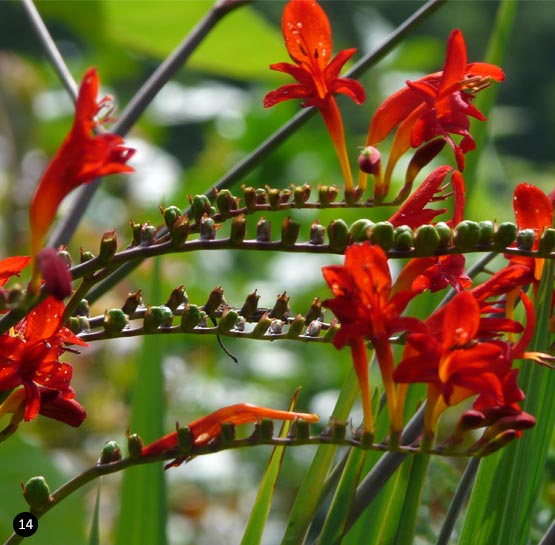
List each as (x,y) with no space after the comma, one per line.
(533,209)
(455,67)
(11,266)
(286,92)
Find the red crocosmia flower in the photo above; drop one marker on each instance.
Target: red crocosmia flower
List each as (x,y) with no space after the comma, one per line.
(414,212)
(12,266)
(82,157)
(208,427)
(434,274)
(435,106)
(29,355)
(458,357)
(366,308)
(307,34)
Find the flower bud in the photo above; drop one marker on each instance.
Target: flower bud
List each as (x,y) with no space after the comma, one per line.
(57,278)
(110,453)
(338,234)
(281,308)
(228,320)
(85,256)
(314,312)
(238,230)
(115,320)
(249,194)
(547,241)
(289,232)
(190,318)
(276,327)
(382,235)
(261,327)
(226,202)
(403,238)
(301,195)
(136,232)
(264,230)
(296,327)
(200,205)
(505,235)
(369,160)
(215,299)
(171,213)
(108,246)
(360,230)
(65,256)
(445,234)
(180,231)
(467,236)
(487,230)
(132,303)
(148,234)
(314,328)
(250,305)
(260,196)
(156,316)
(37,493)
(426,240)
(178,297)
(327,194)
(317,233)
(135,446)
(207,228)
(274,198)
(525,239)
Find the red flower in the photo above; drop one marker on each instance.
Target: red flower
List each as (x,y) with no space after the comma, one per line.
(437,105)
(12,266)
(307,35)
(81,158)
(208,427)
(459,356)
(366,308)
(29,356)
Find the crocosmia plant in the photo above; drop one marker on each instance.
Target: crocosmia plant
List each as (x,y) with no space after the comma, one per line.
(403,274)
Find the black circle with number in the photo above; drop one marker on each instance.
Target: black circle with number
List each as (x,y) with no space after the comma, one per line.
(25,524)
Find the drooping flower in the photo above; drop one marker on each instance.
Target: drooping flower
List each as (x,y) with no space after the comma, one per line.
(82,157)
(366,308)
(436,106)
(208,427)
(29,356)
(307,35)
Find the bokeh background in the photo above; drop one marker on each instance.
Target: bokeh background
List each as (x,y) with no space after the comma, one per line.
(201,124)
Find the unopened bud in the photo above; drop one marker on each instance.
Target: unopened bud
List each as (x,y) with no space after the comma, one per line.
(327,194)
(190,318)
(274,198)
(314,328)
(467,236)
(200,205)
(228,320)
(156,316)
(215,299)
(276,327)
(178,297)
(115,320)
(360,230)
(108,246)
(301,195)
(135,446)
(132,303)
(225,202)
(110,453)
(445,234)
(263,230)
(249,194)
(148,234)
(317,233)
(171,213)
(403,238)
(250,305)
(382,235)
(505,235)
(426,240)
(487,230)
(525,239)
(547,241)
(83,308)
(85,256)
(57,278)
(37,493)
(238,230)
(338,235)
(180,231)
(289,232)
(281,308)
(369,160)
(207,228)
(136,232)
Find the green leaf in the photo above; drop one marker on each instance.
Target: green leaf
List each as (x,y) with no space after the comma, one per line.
(21,459)
(312,489)
(261,508)
(142,518)
(94,537)
(242,45)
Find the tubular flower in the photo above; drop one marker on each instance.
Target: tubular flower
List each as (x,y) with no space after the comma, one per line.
(29,357)
(307,35)
(366,308)
(435,106)
(81,158)
(208,427)
(459,355)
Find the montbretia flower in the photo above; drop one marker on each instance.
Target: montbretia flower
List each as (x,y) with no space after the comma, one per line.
(208,427)
(307,33)
(82,157)
(367,308)
(436,106)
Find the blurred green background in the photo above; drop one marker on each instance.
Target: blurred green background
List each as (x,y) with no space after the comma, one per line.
(205,120)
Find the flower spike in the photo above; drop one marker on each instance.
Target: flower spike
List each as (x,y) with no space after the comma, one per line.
(307,33)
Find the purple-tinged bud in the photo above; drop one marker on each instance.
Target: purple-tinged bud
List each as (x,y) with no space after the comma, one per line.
(264,230)
(208,228)
(132,303)
(370,160)
(289,232)
(281,308)
(317,233)
(178,297)
(250,305)
(314,328)
(57,278)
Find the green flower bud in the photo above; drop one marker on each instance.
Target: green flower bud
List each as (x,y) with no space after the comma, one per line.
(264,230)
(110,453)
(156,316)
(301,195)
(403,238)
(547,241)
(261,327)
(207,228)
(327,194)
(505,235)
(226,202)
(37,493)
(338,234)
(85,256)
(249,194)
(426,240)
(296,327)
(525,239)
(445,234)
(382,235)
(170,216)
(136,232)
(83,308)
(487,230)
(289,232)
(360,230)
(200,205)
(228,320)
(115,320)
(332,330)
(65,257)
(274,198)
(185,439)
(148,234)
(467,236)
(261,196)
